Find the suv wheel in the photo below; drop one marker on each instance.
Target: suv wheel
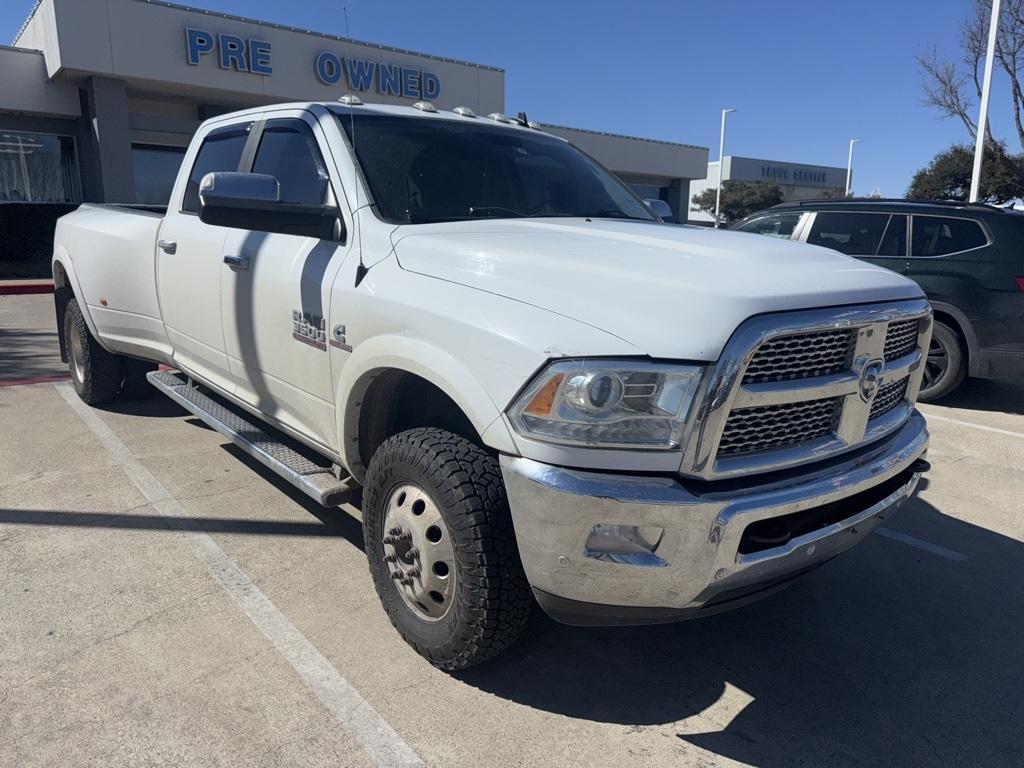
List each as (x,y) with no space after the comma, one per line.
(442,551)
(946,366)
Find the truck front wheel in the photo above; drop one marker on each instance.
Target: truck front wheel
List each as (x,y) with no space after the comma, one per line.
(442,551)
(95,373)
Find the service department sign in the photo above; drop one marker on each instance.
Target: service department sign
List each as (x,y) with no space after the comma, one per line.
(256,57)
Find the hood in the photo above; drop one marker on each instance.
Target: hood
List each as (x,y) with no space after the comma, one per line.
(674,292)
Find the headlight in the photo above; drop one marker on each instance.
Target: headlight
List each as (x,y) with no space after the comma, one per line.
(607,404)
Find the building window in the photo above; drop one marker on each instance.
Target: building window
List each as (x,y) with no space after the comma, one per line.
(38,168)
(155,169)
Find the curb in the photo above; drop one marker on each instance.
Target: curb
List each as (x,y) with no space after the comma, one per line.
(22,287)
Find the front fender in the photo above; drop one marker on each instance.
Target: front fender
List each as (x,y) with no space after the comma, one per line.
(427,361)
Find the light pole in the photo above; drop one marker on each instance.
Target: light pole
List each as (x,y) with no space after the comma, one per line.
(979,142)
(721,163)
(849,166)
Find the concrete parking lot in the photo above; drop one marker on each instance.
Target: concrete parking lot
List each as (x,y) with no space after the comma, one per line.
(166,601)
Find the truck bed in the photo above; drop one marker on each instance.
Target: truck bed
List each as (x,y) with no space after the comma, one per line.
(113,254)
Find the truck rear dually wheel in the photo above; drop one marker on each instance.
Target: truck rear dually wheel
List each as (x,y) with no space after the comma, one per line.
(95,373)
(441,547)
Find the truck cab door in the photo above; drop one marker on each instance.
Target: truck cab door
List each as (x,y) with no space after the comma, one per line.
(189,256)
(276,288)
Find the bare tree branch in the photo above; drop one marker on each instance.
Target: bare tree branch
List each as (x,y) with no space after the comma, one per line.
(1010,54)
(944,88)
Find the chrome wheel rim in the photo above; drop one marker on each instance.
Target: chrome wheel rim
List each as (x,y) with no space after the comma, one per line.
(77,353)
(937,364)
(418,552)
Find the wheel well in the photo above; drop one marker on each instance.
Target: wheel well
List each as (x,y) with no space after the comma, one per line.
(394,401)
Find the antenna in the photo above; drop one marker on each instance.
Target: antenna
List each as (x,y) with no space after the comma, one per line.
(361,270)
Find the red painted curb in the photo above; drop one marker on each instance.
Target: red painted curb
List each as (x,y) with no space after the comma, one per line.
(36,380)
(16,288)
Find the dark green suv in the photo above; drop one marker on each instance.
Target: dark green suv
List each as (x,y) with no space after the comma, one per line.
(968,258)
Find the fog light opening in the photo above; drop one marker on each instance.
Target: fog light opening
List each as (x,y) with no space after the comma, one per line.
(625,544)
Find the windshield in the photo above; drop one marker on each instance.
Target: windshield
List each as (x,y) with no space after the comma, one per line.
(423,170)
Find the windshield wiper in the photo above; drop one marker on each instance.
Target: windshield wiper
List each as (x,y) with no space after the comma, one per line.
(484,210)
(613,213)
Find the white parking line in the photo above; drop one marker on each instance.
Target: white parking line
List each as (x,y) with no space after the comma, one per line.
(927,546)
(932,417)
(350,709)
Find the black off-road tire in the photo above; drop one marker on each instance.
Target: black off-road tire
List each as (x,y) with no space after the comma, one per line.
(95,373)
(492,601)
(947,349)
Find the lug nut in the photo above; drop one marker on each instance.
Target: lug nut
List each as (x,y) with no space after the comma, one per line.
(395,531)
(389,539)
(413,572)
(396,575)
(390,558)
(413,553)
(406,582)
(404,536)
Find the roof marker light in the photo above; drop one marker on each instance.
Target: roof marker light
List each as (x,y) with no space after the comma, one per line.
(499,117)
(351,99)
(424,106)
(1020,283)
(464,111)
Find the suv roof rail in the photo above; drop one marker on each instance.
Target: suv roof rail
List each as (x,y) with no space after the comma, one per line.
(903,200)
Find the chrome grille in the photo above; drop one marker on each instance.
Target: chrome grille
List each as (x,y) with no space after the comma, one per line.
(796,387)
(800,356)
(901,339)
(888,397)
(770,427)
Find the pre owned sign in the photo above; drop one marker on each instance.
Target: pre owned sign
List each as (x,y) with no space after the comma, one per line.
(255,56)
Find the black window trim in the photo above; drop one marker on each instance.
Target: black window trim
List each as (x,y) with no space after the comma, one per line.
(978,222)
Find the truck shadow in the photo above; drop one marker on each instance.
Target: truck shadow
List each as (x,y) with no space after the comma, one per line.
(889,655)
(987,395)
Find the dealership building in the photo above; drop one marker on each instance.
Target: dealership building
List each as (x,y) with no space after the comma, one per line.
(99,98)
(797,181)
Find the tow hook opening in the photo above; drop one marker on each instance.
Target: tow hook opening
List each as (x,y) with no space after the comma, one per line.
(777,531)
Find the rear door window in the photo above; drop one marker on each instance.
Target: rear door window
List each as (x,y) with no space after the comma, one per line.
(894,241)
(941,235)
(288,151)
(780,225)
(221,151)
(855,234)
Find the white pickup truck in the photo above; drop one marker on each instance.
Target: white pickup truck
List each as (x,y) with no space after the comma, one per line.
(541,392)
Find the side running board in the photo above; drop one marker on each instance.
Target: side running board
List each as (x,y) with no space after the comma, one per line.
(315,480)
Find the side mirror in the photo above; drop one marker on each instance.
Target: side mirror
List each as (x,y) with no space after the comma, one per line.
(253,201)
(660,209)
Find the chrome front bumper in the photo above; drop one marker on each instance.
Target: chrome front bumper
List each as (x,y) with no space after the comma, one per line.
(697,565)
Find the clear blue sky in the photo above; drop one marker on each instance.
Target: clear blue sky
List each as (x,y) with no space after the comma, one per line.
(804,75)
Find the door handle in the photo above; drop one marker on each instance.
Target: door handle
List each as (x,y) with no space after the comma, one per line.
(167,246)
(237,262)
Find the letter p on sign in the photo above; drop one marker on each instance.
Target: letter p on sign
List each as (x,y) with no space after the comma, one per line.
(197,42)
